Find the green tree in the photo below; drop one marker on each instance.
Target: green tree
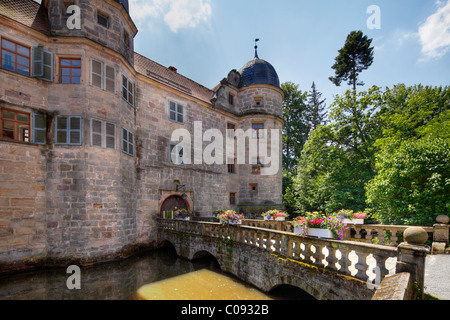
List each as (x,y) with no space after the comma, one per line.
(336,162)
(355,57)
(412,184)
(315,113)
(295,130)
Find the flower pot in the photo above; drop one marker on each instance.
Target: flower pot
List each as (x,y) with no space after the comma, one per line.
(280,219)
(297,230)
(268,218)
(320,233)
(184,219)
(353,221)
(232,222)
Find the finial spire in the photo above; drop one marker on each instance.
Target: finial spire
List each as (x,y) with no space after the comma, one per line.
(256,48)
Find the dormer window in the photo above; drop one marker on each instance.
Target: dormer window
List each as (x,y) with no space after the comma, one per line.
(102,19)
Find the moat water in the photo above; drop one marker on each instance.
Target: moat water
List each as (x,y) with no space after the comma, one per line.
(156,275)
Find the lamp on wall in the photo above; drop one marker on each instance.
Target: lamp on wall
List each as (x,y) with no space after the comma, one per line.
(178,186)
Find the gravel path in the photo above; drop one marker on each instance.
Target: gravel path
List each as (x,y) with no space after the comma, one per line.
(437,276)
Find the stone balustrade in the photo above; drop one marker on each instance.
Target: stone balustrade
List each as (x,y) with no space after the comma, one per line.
(364,261)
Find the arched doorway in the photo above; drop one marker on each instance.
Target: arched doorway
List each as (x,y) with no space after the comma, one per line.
(173,202)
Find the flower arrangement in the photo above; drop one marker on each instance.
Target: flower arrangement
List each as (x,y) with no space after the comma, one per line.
(230,217)
(316,220)
(348,215)
(182,214)
(274,214)
(218,212)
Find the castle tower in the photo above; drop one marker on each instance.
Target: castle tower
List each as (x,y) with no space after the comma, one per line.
(106,22)
(254,95)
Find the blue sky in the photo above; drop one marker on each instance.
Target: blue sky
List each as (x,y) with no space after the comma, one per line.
(205,39)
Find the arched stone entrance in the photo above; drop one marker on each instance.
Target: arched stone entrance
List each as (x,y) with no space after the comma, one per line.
(172,202)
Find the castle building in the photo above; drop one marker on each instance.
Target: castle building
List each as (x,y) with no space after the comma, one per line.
(86,153)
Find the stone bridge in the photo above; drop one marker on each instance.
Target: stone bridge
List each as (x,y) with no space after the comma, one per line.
(325,269)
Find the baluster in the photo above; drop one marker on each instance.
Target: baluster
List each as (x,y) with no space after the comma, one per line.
(318,255)
(297,249)
(277,244)
(380,237)
(307,253)
(331,258)
(369,236)
(380,269)
(361,266)
(358,233)
(394,238)
(261,240)
(345,261)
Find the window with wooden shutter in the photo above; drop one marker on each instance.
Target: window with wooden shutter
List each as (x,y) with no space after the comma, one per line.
(127,142)
(127,90)
(39,128)
(14,125)
(110,79)
(103,76)
(42,64)
(110,136)
(96,133)
(103,134)
(176,112)
(15,57)
(97,74)
(68,130)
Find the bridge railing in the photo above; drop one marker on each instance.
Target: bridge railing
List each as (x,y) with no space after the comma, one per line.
(367,262)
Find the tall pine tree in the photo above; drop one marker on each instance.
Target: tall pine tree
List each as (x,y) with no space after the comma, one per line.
(355,57)
(315,114)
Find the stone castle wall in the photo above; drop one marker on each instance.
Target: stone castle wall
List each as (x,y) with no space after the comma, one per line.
(81,203)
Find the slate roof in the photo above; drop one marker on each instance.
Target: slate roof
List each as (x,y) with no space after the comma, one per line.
(258,71)
(171,78)
(26,12)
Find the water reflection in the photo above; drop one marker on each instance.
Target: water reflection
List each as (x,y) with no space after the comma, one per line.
(111,281)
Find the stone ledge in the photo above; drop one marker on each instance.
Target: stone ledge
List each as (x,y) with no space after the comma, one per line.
(396,287)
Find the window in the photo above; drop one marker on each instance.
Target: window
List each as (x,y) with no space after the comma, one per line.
(42,64)
(102,19)
(39,128)
(253,187)
(176,112)
(127,142)
(127,90)
(231,165)
(257,164)
(258,130)
(70,71)
(15,125)
(103,134)
(232,198)
(176,154)
(126,38)
(68,130)
(231,126)
(15,57)
(103,76)
(231,99)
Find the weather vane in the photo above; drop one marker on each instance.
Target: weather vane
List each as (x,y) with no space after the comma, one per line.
(256,48)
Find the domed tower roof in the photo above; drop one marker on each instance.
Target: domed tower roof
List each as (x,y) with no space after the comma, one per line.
(125,4)
(258,71)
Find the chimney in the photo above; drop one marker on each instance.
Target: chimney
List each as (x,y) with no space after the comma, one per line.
(172,69)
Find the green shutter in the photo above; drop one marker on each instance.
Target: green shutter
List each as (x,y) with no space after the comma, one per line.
(38,61)
(39,128)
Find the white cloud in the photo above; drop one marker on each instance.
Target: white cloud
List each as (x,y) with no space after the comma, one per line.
(177,14)
(434,34)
